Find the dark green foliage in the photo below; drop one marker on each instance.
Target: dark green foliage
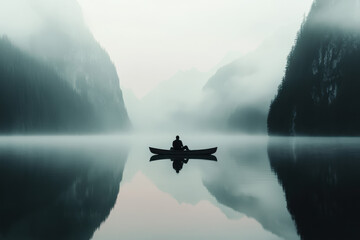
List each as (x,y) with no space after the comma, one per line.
(318,95)
(81,61)
(33,98)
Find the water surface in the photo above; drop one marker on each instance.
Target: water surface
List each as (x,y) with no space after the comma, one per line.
(106,187)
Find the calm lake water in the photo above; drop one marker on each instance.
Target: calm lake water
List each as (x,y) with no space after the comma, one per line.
(100,187)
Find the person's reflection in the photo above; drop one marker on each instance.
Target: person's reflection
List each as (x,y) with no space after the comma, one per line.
(178,163)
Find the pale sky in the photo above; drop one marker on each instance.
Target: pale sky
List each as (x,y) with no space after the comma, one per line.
(150,40)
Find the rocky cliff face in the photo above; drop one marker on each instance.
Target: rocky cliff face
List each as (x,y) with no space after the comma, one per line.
(318,95)
(35,99)
(60,40)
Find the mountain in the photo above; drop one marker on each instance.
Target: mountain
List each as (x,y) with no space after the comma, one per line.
(238,95)
(172,105)
(58,38)
(33,98)
(319,92)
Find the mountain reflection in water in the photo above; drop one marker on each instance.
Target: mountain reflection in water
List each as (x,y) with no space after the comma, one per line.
(57,191)
(261,188)
(321,181)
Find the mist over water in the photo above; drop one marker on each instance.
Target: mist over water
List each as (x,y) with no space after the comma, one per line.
(70,182)
(105,187)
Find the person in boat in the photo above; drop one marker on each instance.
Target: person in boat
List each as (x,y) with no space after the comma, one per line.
(178,145)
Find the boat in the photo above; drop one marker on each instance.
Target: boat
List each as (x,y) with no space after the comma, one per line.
(172,157)
(198,152)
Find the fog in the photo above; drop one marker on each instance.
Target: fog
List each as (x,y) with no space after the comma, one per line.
(21,19)
(150,41)
(54,58)
(236,96)
(204,101)
(183,66)
(343,14)
(245,80)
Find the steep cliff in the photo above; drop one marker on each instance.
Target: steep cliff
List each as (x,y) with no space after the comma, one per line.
(319,92)
(59,40)
(34,99)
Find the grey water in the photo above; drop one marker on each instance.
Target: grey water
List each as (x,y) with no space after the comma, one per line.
(106,187)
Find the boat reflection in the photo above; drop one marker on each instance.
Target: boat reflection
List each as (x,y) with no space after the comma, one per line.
(178,161)
(321,181)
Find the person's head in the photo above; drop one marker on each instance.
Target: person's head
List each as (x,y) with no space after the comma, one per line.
(177,137)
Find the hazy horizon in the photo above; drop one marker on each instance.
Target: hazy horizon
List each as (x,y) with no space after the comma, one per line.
(150,42)
(181,65)
(181,119)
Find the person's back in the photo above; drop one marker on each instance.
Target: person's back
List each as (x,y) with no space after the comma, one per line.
(178,145)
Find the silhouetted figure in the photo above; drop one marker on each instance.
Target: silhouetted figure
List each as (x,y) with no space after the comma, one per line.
(178,145)
(178,163)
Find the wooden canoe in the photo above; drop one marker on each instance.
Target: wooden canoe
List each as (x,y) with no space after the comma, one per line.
(207,151)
